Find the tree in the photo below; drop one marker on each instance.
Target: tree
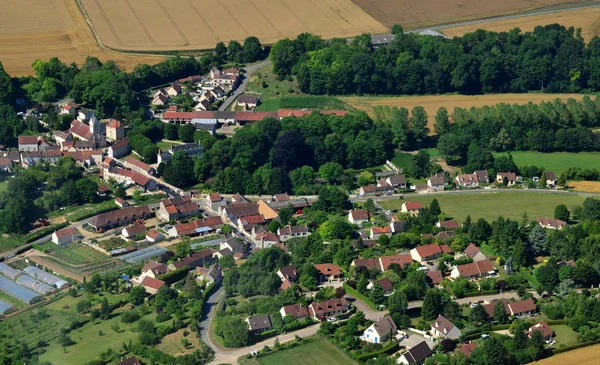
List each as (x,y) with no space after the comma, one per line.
(562,180)
(331,199)
(234,51)
(432,304)
(442,122)
(137,295)
(500,315)
(83,306)
(227,262)
(452,311)
(377,294)
(542,182)
(252,50)
(274,226)
(183,248)
(561,212)
(397,29)
(120,192)
(171,131)
(418,123)
(478,315)
(491,352)
(308,282)
(434,208)
(226,229)
(186,132)
(232,329)
(397,302)
(221,52)
(365,178)
(87,189)
(538,240)
(332,172)
(536,344)
(564,288)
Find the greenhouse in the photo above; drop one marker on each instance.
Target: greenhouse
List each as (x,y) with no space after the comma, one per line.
(5,307)
(8,271)
(23,294)
(37,286)
(143,255)
(45,277)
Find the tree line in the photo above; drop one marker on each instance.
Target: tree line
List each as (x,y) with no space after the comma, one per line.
(551,58)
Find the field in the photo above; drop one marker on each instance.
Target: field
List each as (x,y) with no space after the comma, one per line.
(75,254)
(583,356)
(200,24)
(557,161)
(492,205)
(586,19)
(315,352)
(414,14)
(42,29)
(585,186)
(432,103)
(77,213)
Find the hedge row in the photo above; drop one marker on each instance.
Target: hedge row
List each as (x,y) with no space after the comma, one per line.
(574,347)
(353,292)
(82,216)
(478,293)
(175,275)
(43,232)
(388,349)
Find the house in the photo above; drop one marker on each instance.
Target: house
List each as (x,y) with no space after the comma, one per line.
(328,308)
(172,209)
(139,166)
(473,252)
(289,273)
(235,211)
(396,181)
(129,361)
(200,258)
(468,348)
(416,354)
(247,223)
(397,226)
(377,232)
(65,236)
(129,177)
(521,308)
(468,181)
(130,233)
(247,101)
(152,285)
(474,270)
(115,130)
(61,137)
(119,149)
(385,283)
(267,210)
(120,217)
(174,89)
(6,164)
(382,263)
(259,323)
(544,328)
(121,203)
(375,190)
(295,310)
(551,223)
(234,245)
(551,178)
(211,274)
(445,329)
(380,331)
(328,272)
(358,217)
(154,269)
(159,99)
(214,201)
(426,253)
(435,277)
(482,176)
(28,143)
(281,197)
(198,227)
(285,233)
(266,240)
(68,108)
(435,184)
(511,178)
(451,224)
(412,208)
(154,236)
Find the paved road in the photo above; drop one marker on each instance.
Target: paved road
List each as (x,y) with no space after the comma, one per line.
(505,295)
(250,69)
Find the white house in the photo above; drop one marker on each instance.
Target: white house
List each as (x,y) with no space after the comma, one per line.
(65,235)
(358,217)
(443,328)
(380,331)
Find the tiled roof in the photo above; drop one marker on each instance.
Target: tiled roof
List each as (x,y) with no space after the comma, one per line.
(428,250)
(435,276)
(385,325)
(260,322)
(320,308)
(295,310)
(402,259)
(418,353)
(328,269)
(66,232)
(28,140)
(468,348)
(471,250)
(442,324)
(551,222)
(80,129)
(413,205)
(152,283)
(139,164)
(475,268)
(360,214)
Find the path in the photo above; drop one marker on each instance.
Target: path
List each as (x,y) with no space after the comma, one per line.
(39,259)
(250,70)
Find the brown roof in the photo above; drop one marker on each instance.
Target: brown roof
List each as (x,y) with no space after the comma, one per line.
(360,214)
(28,140)
(129,361)
(386,284)
(397,179)
(320,308)
(385,326)
(468,348)
(418,353)
(551,222)
(442,324)
(428,250)
(214,197)
(114,124)
(156,267)
(134,230)
(442,236)
(381,230)
(489,308)
(253,219)
(510,176)
(471,250)
(289,272)
(413,205)
(475,268)
(445,248)
(523,306)
(550,175)
(293,230)
(366,263)
(122,143)
(190,228)
(451,224)
(328,269)
(402,259)
(194,258)
(295,310)
(247,99)
(104,219)
(467,178)
(542,327)
(66,232)
(242,210)
(139,164)
(135,176)
(153,233)
(260,322)
(152,283)
(435,276)
(81,129)
(482,176)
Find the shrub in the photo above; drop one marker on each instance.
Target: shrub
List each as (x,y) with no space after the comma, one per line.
(130,316)
(162,317)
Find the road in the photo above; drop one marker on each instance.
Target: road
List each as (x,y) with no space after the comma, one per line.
(250,70)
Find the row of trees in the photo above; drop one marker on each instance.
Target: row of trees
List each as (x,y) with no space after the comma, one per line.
(552,58)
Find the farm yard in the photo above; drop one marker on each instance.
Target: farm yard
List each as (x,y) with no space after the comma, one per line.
(200,24)
(51,28)
(583,356)
(414,14)
(586,19)
(492,205)
(432,103)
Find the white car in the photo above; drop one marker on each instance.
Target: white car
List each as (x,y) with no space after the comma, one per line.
(331,319)
(473,305)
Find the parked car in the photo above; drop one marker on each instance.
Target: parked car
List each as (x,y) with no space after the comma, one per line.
(331,319)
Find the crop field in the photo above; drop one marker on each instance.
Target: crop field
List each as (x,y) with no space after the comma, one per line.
(75,254)
(492,205)
(585,186)
(200,24)
(315,352)
(583,356)
(432,103)
(413,14)
(556,161)
(42,29)
(586,19)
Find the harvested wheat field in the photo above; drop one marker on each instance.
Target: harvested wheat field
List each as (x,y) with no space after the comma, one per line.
(583,356)
(586,19)
(585,186)
(200,24)
(43,29)
(414,14)
(432,103)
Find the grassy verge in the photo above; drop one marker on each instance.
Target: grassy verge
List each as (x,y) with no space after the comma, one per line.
(359,296)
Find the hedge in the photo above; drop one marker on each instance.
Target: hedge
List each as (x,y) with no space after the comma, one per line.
(353,292)
(82,216)
(574,347)
(43,232)
(390,348)
(478,293)
(175,275)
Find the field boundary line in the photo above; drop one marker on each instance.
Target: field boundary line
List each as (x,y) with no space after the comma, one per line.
(295,16)
(343,30)
(359,19)
(187,42)
(135,14)
(266,18)
(233,17)
(206,23)
(112,28)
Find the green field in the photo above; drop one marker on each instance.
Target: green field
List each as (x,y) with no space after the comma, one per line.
(76,254)
(556,161)
(8,242)
(77,213)
(492,205)
(320,352)
(564,335)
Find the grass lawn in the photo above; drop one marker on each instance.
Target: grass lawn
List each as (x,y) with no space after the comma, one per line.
(8,242)
(564,335)
(74,214)
(165,146)
(492,205)
(3,186)
(74,253)
(556,161)
(320,352)
(171,343)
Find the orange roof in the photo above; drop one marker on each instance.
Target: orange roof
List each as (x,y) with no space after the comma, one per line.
(114,124)
(153,283)
(381,230)
(328,269)
(413,205)
(428,250)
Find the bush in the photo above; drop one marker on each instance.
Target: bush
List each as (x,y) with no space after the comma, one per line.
(175,275)
(162,317)
(130,316)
